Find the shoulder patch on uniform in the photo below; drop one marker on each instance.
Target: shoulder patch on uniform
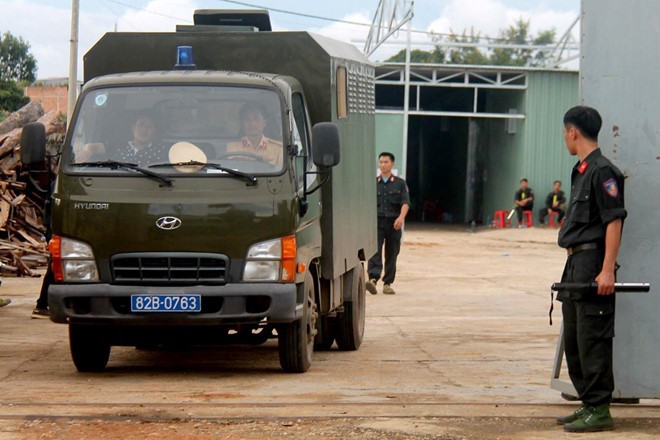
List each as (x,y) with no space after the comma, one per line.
(611,187)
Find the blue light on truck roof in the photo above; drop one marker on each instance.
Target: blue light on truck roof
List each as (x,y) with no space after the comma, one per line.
(184,58)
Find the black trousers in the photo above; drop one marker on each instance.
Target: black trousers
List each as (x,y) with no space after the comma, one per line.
(588,331)
(42,302)
(543,212)
(520,209)
(392,240)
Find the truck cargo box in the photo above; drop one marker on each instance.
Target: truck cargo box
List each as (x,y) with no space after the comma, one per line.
(338,82)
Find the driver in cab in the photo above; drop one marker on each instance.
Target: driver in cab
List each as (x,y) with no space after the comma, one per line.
(254,143)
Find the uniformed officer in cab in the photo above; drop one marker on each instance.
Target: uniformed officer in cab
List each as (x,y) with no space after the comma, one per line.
(254,142)
(591,235)
(393,206)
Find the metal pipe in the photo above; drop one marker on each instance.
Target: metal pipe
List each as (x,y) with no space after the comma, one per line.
(542,48)
(406,98)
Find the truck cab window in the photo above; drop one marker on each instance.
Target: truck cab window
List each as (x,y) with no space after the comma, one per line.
(300,115)
(301,138)
(158,126)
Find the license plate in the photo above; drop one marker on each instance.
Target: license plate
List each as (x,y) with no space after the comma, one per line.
(166,303)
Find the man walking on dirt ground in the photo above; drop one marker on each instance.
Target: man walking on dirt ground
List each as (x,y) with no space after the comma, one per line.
(591,236)
(393,205)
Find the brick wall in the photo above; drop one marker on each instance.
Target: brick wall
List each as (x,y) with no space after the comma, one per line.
(51,97)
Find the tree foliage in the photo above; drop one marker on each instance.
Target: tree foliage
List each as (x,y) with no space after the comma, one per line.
(436,55)
(466,55)
(18,67)
(11,96)
(518,33)
(16,61)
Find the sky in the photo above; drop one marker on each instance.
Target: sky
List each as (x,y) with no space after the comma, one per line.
(46,24)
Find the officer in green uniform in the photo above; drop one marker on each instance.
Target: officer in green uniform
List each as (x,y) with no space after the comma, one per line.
(393,206)
(591,236)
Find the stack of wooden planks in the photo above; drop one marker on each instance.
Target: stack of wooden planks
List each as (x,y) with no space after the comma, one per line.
(23,246)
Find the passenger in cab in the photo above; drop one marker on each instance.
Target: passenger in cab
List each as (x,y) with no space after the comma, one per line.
(142,149)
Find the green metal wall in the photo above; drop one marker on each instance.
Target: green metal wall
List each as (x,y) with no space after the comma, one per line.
(503,154)
(389,137)
(549,95)
(537,150)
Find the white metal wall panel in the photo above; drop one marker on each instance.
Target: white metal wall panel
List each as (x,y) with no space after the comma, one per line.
(620,68)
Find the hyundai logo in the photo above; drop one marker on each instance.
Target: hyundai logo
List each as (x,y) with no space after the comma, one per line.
(168,223)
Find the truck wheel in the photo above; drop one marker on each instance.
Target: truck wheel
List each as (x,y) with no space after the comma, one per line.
(296,339)
(89,349)
(325,336)
(350,323)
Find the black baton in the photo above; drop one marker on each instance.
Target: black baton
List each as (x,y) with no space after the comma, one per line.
(588,287)
(593,288)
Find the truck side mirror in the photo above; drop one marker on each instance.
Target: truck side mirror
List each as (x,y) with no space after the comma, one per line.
(33,144)
(325,144)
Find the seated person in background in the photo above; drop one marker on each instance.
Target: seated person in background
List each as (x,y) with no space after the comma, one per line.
(556,201)
(253,122)
(524,200)
(141,149)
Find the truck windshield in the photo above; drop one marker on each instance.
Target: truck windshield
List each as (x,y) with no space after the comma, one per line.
(238,128)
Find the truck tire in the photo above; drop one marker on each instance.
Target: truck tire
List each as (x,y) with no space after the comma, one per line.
(350,323)
(326,330)
(296,339)
(90,350)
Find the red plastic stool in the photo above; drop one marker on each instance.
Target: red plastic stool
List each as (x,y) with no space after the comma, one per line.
(500,219)
(528,220)
(552,223)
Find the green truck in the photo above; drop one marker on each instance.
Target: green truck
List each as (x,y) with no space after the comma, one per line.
(216,185)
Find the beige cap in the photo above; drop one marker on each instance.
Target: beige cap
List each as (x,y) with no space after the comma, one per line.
(186,152)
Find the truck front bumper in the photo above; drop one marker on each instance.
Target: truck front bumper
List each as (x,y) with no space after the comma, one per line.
(231,303)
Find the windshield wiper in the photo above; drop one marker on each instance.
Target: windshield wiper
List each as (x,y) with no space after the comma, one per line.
(216,166)
(113,164)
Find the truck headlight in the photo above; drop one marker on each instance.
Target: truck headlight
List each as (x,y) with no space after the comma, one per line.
(272,260)
(262,271)
(271,249)
(72,260)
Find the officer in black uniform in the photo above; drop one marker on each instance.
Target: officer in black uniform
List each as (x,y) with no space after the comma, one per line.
(524,200)
(393,205)
(554,202)
(591,236)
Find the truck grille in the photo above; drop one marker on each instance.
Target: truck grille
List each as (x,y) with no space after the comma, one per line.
(162,268)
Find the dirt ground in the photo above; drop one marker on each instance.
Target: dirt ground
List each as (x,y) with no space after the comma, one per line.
(462,351)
